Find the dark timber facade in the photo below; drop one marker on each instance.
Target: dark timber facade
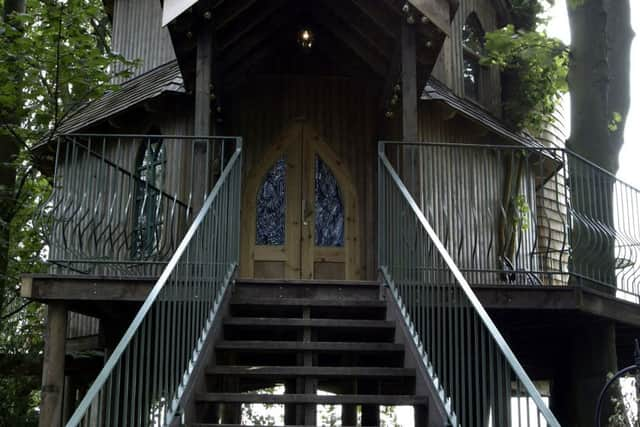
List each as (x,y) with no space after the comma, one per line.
(322,195)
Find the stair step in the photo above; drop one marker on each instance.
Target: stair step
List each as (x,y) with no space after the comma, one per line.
(339,399)
(243,425)
(320,346)
(252,425)
(314,323)
(305,282)
(307,302)
(310,371)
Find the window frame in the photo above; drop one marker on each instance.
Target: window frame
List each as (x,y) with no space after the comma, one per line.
(473,56)
(148,220)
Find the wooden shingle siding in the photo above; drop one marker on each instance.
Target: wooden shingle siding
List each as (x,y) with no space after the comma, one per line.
(552,209)
(449,66)
(138,34)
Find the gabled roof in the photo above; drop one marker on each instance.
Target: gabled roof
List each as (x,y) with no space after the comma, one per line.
(163,79)
(438,91)
(245,32)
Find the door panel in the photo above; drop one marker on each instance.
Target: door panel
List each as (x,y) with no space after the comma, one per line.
(299,219)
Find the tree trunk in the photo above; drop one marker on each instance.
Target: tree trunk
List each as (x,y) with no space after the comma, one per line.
(599,84)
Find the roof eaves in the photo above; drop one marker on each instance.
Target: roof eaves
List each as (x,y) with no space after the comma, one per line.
(437,91)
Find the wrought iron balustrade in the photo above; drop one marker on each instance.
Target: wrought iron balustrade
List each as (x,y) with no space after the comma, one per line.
(527,215)
(477,377)
(121,203)
(144,379)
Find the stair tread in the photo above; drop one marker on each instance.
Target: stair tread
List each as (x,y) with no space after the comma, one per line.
(314,371)
(339,399)
(311,282)
(308,302)
(252,425)
(318,323)
(308,346)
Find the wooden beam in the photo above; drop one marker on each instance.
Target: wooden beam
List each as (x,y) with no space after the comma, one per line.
(410,164)
(409,84)
(249,25)
(85,288)
(236,51)
(349,14)
(53,366)
(374,59)
(373,10)
(438,12)
(202,115)
(228,11)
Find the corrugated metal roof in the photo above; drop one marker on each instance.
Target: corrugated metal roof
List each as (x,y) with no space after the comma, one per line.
(163,79)
(437,91)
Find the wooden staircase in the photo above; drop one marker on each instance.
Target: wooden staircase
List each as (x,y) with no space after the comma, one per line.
(306,336)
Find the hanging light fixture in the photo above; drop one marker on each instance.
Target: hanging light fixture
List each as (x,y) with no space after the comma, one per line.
(305,38)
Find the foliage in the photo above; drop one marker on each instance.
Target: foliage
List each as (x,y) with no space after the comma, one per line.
(623,402)
(54,58)
(540,66)
(529,14)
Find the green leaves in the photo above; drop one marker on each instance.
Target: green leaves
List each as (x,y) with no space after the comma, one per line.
(538,64)
(616,119)
(55,60)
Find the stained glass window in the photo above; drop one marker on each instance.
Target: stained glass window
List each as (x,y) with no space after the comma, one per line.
(473,45)
(329,207)
(150,172)
(271,203)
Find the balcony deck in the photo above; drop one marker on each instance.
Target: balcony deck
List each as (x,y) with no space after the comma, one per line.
(112,297)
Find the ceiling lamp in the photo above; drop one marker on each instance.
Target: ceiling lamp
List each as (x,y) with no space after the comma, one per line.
(305,38)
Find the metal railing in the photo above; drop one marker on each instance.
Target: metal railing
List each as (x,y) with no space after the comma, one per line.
(479,380)
(143,380)
(121,203)
(527,215)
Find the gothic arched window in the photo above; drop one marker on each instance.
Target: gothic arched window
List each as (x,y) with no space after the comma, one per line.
(150,173)
(472,46)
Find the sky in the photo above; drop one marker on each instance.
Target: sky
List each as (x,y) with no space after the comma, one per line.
(630,153)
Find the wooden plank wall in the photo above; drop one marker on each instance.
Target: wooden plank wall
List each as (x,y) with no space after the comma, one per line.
(88,188)
(138,34)
(463,209)
(342,110)
(79,325)
(449,66)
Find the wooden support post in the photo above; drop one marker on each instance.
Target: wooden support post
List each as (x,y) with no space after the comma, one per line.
(349,415)
(409,105)
(409,83)
(290,387)
(310,385)
(202,116)
(420,415)
(53,366)
(371,415)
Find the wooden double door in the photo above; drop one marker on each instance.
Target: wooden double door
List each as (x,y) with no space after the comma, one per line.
(299,212)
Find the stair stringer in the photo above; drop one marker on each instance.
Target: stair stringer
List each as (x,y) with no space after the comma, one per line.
(436,412)
(197,380)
